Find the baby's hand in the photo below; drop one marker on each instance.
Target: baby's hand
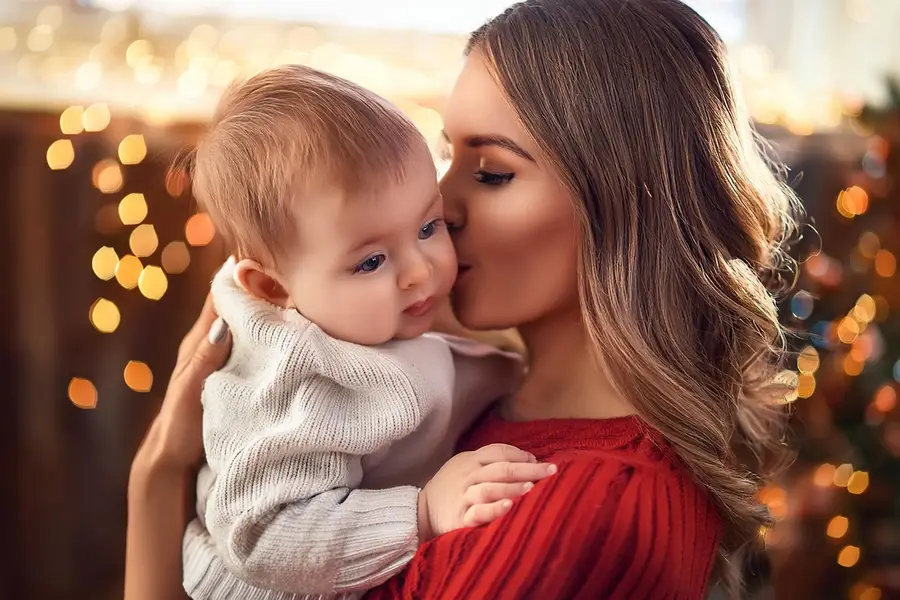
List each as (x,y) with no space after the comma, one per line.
(474,488)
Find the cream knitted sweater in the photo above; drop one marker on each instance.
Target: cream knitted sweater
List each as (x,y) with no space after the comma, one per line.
(316,448)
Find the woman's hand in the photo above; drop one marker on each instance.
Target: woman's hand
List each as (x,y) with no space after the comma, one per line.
(174,442)
(164,470)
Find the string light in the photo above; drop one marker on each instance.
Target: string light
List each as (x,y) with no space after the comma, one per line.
(848,556)
(107,176)
(71,121)
(96,117)
(104,315)
(104,263)
(824,475)
(838,527)
(858,482)
(132,209)
(885,263)
(842,475)
(199,230)
(153,283)
(132,149)
(60,155)
(82,393)
(143,240)
(138,376)
(175,258)
(128,270)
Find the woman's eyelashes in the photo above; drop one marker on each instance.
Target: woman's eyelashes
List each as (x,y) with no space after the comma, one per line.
(493,178)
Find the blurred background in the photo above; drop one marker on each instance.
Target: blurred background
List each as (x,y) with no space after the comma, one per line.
(108,258)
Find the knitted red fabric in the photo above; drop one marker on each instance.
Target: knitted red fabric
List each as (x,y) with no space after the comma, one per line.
(620,520)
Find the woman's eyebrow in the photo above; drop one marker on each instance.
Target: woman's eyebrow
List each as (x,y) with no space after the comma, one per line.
(500,141)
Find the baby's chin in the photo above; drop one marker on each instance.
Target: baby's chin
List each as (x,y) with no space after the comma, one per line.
(416,328)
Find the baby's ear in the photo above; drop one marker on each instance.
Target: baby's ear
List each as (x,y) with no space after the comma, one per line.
(254,278)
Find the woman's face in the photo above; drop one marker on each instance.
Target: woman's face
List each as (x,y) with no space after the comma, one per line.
(515,230)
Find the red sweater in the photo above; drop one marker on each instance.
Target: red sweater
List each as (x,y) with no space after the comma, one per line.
(620,520)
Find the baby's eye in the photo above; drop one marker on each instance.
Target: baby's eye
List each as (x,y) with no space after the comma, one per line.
(429,228)
(370,264)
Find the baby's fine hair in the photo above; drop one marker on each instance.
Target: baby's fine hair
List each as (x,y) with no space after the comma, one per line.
(283,133)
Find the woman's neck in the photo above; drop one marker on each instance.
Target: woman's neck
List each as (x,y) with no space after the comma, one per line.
(563,379)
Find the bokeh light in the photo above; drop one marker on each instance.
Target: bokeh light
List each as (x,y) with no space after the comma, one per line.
(96,117)
(153,283)
(133,209)
(837,527)
(70,121)
(138,376)
(104,315)
(128,270)
(143,240)
(848,556)
(104,263)
(199,230)
(60,154)
(132,149)
(885,263)
(858,482)
(107,176)
(82,393)
(175,258)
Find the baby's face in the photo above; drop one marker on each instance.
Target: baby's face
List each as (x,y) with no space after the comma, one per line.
(368,270)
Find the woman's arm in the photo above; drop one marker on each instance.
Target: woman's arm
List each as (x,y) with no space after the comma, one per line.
(164,469)
(601,529)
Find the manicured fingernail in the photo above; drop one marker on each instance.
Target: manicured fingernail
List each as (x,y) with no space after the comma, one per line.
(527,487)
(551,469)
(506,504)
(218,332)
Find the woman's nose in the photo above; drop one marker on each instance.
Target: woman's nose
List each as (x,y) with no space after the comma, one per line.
(454,205)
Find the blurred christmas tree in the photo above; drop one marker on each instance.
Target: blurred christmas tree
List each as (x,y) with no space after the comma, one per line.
(840,504)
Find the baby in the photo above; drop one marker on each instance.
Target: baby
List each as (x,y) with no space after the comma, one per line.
(326,432)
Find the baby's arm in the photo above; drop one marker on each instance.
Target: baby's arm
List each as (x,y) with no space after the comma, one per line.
(331,541)
(324,539)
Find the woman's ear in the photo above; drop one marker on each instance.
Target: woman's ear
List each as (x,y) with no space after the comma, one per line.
(251,276)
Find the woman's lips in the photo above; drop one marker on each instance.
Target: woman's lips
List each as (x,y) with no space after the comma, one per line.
(462,274)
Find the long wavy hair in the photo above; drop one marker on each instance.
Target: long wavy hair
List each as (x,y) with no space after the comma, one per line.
(683,226)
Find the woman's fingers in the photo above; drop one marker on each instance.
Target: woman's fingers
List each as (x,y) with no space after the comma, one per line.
(198,330)
(511,472)
(205,347)
(486,493)
(482,514)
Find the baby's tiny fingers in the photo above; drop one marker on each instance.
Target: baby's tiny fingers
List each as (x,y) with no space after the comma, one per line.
(482,514)
(511,472)
(485,493)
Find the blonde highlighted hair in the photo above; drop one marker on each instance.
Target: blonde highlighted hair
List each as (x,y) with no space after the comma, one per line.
(284,134)
(682,226)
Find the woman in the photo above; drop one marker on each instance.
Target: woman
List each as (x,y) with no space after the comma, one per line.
(608,201)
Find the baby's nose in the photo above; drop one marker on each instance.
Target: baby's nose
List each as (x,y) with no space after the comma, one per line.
(416,272)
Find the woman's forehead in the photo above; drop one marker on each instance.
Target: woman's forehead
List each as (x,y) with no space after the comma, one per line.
(477,105)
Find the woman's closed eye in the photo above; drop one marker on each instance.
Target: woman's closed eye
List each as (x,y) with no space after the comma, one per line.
(493,178)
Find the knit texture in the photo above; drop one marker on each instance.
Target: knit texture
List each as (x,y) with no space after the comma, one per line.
(316,448)
(621,520)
